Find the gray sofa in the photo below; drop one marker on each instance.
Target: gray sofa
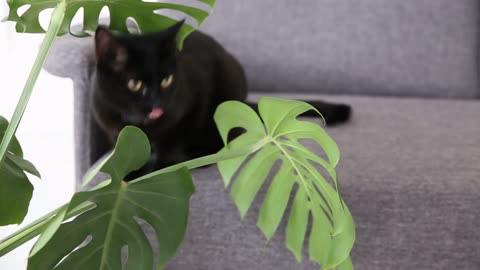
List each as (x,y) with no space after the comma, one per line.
(410,166)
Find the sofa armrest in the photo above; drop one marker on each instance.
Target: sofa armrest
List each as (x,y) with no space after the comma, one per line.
(71,58)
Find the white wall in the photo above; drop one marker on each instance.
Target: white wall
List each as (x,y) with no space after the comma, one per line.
(46,132)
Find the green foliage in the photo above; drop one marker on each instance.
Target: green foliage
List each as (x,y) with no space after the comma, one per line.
(120,11)
(105,216)
(106,219)
(161,201)
(15,188)
(333,230)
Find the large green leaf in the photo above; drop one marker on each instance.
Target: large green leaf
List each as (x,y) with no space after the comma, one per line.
(15,188)
(161,201)
(120,10)
(333,230)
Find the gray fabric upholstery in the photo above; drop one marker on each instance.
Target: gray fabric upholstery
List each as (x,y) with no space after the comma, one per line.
(409,167)
(74,58)
(410,174)
(379,47)
(425,48)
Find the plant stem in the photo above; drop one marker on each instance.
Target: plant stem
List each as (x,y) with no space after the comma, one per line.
(37,227)
(27,233)
(207,160)
(53,28)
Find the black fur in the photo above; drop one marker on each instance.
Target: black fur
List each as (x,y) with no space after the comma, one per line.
(205,75)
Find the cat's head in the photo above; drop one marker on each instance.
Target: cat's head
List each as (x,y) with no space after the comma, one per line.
(136,74)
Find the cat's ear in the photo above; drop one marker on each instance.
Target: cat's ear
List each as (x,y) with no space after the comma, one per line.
(108,49)
(103,41)
(171,34)
(174,29)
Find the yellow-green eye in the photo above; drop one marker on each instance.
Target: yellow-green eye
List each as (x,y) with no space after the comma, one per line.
(135,85)
(166,82)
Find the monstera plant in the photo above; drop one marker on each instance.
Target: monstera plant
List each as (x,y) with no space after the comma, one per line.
(92,230)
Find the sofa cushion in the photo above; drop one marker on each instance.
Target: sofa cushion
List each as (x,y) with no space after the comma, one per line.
(379,47)
(410,174)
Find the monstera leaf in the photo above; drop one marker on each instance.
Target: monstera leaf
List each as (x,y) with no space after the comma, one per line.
(296,175)
(15,188)
(142,12)
(96,238)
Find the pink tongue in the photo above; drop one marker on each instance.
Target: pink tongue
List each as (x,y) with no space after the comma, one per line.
(155,113)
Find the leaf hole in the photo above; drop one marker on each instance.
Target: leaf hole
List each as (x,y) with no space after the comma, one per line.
(85,242)
(323,171)
(190,3)
(263,189)
(124,256)
(290,149)
(70,219)
(291,197)
(237,172)
(328,212)
(308,233)
(240,169)
(132,26)
(44,18)
(21,10)
(89,32)
(329,217)
(314,147)
(269,179)
(177,15)
(150,233)
(235,133)
(76,26)
(104,17)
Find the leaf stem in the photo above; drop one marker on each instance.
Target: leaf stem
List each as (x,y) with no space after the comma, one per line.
(37,227)
(207,160)
(51,34)
(27,233)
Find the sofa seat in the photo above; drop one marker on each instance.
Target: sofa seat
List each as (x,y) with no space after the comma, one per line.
(410,172)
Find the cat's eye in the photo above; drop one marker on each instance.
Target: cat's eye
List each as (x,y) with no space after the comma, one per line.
(135,85)
(167,81)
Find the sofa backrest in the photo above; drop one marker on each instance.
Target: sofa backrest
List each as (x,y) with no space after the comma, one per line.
(425,48)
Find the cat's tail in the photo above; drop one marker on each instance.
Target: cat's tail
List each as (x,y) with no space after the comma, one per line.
(334,113)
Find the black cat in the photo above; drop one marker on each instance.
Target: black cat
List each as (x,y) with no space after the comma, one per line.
(145,81)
